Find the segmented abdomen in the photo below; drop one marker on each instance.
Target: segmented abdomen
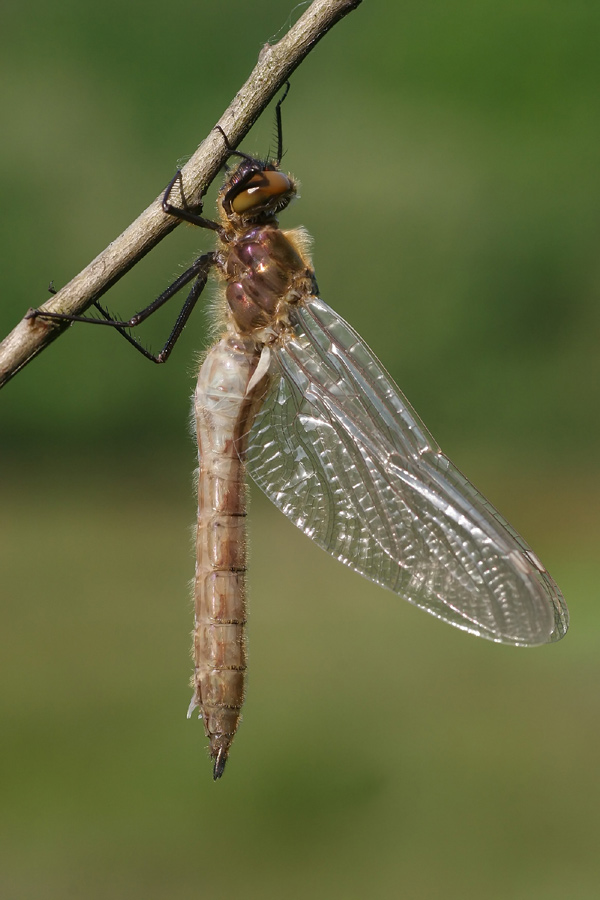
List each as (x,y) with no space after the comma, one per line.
(224,412)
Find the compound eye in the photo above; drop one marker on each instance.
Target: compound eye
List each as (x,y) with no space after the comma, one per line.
(262,189)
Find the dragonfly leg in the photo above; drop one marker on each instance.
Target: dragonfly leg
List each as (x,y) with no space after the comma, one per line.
(184,213)
(198,270)
(278,124)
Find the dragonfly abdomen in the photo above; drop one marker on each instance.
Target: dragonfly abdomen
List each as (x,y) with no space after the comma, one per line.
(224,411)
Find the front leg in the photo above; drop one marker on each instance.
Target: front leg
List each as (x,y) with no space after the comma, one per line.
(184,213)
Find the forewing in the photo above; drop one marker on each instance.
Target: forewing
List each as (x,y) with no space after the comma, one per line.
(339,450)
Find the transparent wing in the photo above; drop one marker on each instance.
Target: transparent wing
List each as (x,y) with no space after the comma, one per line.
(340,451)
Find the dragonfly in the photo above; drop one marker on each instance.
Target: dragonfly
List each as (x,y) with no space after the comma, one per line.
(291,394)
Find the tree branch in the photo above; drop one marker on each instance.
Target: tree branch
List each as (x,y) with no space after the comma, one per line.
(275,65)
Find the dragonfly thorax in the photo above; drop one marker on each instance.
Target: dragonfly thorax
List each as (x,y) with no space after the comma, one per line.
(265,270)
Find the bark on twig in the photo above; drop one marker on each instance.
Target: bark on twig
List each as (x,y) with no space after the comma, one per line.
(276,63)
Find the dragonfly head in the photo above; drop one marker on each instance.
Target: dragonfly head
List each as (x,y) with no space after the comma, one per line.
(255,192)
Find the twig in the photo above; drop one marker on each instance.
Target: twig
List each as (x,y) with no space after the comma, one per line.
(275,64)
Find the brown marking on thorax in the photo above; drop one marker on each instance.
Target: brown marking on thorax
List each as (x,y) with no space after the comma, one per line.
(263,268)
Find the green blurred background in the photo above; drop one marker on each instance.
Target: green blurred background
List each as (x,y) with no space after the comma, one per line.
(449,160)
